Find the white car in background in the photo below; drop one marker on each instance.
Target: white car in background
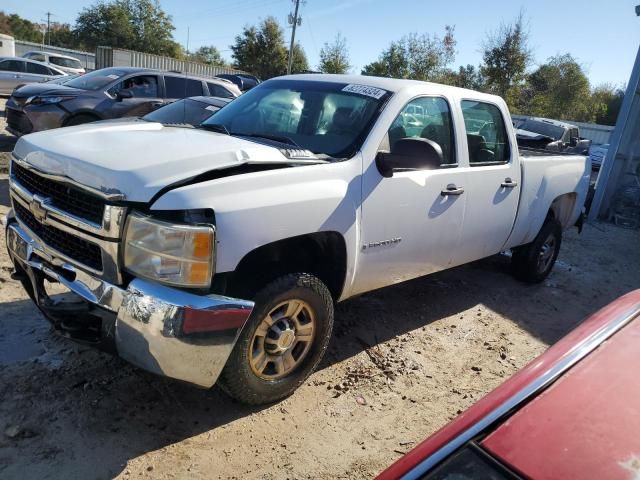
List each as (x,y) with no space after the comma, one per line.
(597,154)
(67,64)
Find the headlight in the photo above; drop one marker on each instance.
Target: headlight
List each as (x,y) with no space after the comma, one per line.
(47,100)
(173,254)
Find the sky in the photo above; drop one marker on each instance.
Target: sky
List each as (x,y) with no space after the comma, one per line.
(603,35)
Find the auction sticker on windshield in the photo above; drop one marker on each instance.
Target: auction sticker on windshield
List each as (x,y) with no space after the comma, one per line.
(374,92)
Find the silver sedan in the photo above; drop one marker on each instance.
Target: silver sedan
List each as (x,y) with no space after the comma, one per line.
(16,71)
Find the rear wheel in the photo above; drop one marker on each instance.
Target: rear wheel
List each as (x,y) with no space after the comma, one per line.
(81,119)
(534,261)
(283,341)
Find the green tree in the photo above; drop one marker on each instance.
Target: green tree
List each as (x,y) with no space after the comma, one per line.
(299,62)
(62,35)
(209,55)
(334,57)
(421,57)
(139,25)
(560,89)
(105,24)
(506,57)
(606,101)
(466,77)
(262,51)
(20,28)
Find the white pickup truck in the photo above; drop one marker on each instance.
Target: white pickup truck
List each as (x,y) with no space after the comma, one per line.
(216,254)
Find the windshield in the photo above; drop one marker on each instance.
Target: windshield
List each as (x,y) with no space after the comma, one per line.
(65,62)
(324,117)
(543,128)
(187,111)
(96,80)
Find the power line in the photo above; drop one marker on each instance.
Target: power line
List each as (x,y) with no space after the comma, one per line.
(294,20)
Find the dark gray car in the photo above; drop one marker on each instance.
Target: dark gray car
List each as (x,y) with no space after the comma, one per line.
(103,94)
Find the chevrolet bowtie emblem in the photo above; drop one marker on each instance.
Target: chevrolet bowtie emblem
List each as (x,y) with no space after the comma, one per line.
(37,208)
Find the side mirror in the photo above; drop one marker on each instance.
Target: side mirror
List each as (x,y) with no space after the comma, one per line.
(573,141)
(410,154)
(122,94)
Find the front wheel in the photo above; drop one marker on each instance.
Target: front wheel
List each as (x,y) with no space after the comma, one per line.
(283,341)
(534,261)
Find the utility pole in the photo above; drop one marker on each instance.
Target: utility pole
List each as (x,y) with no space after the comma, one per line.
(49,28)
(295,21)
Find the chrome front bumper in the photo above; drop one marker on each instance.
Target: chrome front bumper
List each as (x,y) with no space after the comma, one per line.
(163,330)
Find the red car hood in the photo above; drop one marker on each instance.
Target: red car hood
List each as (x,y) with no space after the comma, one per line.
(586,425)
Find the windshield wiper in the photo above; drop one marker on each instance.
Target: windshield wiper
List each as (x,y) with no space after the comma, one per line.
(215,127)
(277,138)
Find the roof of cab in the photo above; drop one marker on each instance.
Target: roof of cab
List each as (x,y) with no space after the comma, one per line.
(390,84)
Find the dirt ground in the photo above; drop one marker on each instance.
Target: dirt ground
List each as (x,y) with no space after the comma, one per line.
(403,362)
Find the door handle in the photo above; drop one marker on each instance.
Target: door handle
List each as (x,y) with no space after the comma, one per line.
(452,189)
(508,183)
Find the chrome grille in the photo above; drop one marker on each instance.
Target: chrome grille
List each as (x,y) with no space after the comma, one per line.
(76,248)
(65,197)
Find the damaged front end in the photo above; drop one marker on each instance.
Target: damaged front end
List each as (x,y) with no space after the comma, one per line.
(164,330)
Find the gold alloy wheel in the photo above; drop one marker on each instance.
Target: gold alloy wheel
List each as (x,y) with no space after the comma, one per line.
(282,340)
(545,257)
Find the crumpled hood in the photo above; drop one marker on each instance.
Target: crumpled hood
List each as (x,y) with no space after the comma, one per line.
(45,88)
(138,158)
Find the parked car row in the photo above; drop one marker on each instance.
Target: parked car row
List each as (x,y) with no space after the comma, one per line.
(104,94)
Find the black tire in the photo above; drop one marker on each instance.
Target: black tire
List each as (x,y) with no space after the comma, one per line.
(238,378)
(526,260)
(81,119)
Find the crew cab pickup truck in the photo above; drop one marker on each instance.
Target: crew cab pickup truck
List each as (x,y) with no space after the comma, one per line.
(216,254)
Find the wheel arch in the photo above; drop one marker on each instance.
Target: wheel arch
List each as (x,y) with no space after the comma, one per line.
(563,207)
(322,254)
(81,113)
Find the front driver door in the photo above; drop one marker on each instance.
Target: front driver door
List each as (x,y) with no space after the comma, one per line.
(411,226)
(145,96)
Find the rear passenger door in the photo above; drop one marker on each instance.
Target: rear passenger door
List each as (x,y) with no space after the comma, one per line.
(494,182)
(181,87)
(37,73)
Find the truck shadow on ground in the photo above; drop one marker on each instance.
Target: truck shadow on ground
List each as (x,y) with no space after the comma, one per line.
(75,399)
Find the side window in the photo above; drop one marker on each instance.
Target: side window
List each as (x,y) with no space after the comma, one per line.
(486,134)
(426,117)
(12,66)
(182,87)
(37,57)
(38,69)
(142,86)
(216,90)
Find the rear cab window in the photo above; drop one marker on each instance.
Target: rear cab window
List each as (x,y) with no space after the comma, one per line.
(487,140)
